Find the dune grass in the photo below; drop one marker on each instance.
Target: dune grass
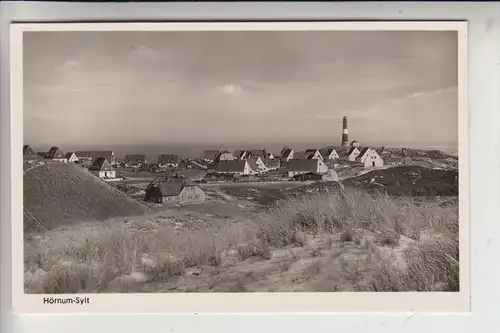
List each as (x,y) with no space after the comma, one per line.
(92,257)
(65,194)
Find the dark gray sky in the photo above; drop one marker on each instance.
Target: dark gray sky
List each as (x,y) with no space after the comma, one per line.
(91,88)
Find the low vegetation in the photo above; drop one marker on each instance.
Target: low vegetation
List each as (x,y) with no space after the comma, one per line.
(344,240)
(409,180)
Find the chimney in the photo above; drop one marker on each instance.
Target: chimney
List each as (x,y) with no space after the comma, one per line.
(345,135)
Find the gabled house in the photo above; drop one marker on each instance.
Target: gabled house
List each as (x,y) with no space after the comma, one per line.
(56,154)
(314,154)
(29,154)
(235,167)
(174,190)
(270,156)
(254,167)
(287,153)
(257,164)
(135,160)
(71,157)
(329,154)
(224,155)
(260,163)
(210,155)
(370,158)
(296,167)
(168,161)
(102,169)
(352,154)
(87,157)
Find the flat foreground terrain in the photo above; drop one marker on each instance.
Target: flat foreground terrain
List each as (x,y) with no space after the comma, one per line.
(284,237)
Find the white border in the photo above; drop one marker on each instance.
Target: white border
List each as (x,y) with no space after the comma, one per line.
(242,302)
(484,57)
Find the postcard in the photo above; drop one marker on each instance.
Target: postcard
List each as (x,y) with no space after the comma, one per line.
(240,167)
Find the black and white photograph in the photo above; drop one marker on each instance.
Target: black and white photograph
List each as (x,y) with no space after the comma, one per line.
(241,161)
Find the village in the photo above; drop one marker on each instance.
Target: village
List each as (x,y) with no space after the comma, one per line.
(172,179)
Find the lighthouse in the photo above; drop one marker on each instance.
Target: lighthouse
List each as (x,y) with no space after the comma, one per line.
(345,135)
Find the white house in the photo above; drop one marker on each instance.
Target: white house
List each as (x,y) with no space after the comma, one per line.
(259,163)
(87,157)
(71,157)
(102,169)
(314,154)
(329,154)
(287,153)
(353,154)
(370,158)
(56,154)
(297,167)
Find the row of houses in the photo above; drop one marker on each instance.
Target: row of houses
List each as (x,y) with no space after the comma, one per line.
(55,153)
(369,157)
(140,160)
(216,155)
(252,162)
(98,162)
(256,166)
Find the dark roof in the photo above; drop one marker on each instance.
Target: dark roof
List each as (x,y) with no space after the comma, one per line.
(285,152)
(252,162)
(101,164)
(135,157)
(302,155)
(68,155)
(55,152)
(28,151)
(230,166)
(351,150)
(311,151)
(303,165)
(171,187)
(42,154)
(363,151)
(29,154)
(168,158)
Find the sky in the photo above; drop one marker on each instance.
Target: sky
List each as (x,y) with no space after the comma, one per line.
(397,88)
